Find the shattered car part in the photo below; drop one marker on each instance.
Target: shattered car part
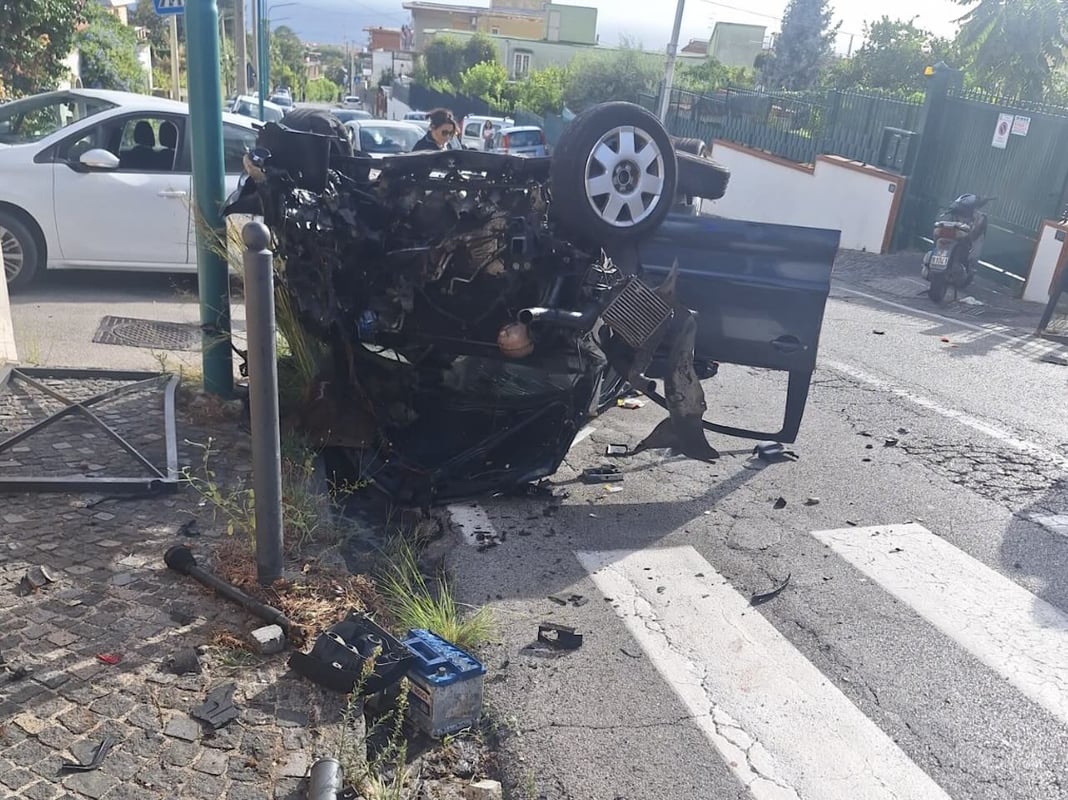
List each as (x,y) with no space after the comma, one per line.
(337,659)
(99,754)
(218,708)
(181,559)
(559,637)
(478,309)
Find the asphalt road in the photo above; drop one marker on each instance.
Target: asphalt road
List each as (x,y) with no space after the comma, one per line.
(920,648)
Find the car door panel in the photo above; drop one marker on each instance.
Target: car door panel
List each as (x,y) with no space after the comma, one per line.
(759,291)
(129,217)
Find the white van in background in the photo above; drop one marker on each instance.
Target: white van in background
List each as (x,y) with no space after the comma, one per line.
(471,130)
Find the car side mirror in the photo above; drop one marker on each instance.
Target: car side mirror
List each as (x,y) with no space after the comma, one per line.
(98,159)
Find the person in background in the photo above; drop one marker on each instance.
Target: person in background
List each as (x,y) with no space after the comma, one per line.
(442,130)
(487,135)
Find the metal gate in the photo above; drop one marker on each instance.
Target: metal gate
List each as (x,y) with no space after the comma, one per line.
(1028,176)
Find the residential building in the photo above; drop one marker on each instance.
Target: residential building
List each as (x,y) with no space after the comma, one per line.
(696,47)
(736,45)
(120,8)
(383,39)
(572,24)
(522,56)
(501,19)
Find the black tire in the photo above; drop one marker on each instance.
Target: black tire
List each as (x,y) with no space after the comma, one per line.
(695,147)
(937,290)
(586,213)
(16,238)
(700,177)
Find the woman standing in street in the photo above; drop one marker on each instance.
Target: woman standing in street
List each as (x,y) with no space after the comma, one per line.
(442,130)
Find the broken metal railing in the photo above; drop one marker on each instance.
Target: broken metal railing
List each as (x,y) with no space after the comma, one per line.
(157,479)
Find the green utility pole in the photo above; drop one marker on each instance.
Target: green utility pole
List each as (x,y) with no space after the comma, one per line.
(205,124)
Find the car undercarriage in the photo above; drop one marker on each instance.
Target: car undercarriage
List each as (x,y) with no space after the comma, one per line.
(478,309)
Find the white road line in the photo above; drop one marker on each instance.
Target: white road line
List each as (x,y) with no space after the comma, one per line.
(471,520)
(783,728)
(1018,635)
(994,432)
(583,434)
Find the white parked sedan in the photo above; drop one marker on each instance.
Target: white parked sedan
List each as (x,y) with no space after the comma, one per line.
(382,137)
(102,180)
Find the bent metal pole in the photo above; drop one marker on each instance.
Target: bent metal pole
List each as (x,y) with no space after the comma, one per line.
(263,400)
(672,55)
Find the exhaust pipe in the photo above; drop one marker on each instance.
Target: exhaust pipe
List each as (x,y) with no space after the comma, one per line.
(580,320)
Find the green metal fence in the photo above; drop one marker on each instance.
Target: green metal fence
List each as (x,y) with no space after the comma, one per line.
(857,124)
(795,126)
(1028,176)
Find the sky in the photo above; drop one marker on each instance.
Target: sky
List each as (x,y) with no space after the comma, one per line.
(647,21)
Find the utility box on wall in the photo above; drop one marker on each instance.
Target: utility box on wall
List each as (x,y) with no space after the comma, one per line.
(895,148)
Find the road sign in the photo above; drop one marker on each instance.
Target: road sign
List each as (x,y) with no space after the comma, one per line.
(165,7)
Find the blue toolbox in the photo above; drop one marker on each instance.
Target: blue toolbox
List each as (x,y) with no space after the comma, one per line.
(446,685)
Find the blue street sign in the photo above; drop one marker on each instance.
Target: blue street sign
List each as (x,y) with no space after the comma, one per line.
(166,7)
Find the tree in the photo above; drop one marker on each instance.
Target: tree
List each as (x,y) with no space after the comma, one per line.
(35,37)
(287,59)
(485,80)
(479,49)
(322,90)
(893,57)
(108,53)
(803,47)
(543,90)
(335,63)
(444,58)
(1015,47)
(710,75)
(622,74)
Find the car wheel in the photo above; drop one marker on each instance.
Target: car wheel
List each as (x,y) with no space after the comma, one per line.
(699,177)
(22,257)
(614,174)
(695,147)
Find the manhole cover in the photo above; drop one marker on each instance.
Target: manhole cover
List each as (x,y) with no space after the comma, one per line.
(149,333)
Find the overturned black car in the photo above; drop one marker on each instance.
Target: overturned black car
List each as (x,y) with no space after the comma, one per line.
(480,308)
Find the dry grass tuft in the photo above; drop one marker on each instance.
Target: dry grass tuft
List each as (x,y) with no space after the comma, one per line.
(320,597)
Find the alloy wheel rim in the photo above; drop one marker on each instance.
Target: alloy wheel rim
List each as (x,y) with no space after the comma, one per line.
(624,177)
(14,255)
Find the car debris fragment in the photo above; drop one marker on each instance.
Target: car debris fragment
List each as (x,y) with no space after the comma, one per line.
(338,656)
(218,709)
(94,763)
(604,474)
(36,578)
(559,637)
(773,452)
(477,309)
(763,597)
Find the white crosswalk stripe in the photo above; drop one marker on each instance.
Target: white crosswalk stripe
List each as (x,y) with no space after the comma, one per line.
(1018,635)
(784,729)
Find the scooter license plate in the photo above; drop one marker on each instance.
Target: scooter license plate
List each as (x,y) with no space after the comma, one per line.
(940,260)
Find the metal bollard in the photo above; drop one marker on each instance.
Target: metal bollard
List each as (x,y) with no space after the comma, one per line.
(263,400)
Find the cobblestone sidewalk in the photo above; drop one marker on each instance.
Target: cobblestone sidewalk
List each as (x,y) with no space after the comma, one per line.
(113,596)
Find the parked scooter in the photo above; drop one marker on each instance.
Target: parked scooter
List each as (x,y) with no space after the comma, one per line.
(958,240)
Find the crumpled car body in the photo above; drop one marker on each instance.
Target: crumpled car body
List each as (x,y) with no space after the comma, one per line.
(479,309)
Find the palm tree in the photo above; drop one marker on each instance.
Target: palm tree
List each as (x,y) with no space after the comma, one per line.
(1015,46)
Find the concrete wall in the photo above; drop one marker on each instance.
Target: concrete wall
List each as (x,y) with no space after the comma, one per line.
(384,60)
(542,54)
(860,201)
(736,45)
(1048,263)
